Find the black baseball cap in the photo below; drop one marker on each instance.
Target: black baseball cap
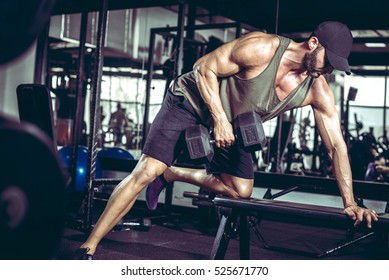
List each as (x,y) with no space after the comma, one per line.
(337,39)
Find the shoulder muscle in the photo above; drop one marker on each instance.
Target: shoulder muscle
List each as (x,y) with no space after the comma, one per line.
(321,96)
(251,50)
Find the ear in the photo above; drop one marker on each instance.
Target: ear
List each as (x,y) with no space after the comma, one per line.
(313,43)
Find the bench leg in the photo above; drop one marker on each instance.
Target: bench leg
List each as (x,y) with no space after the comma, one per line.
(227,228)
(244,238)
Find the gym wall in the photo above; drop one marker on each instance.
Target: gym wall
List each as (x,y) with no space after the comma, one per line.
(19,71)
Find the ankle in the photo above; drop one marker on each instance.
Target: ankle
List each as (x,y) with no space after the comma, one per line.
(89,250)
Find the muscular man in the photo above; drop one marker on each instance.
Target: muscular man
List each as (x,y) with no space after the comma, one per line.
(265,73)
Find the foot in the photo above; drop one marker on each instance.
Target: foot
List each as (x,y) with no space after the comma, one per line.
(82,254)
(153,191)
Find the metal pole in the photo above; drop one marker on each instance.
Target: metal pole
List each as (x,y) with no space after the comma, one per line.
(385,96)
(238,30)
(279,119)
(40,72)
(178,66)
(179,62)
(41,69)
(190,31)
(150,72)
(79,102)
(94,105)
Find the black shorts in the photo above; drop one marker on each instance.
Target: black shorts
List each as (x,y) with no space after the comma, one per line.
(166,140)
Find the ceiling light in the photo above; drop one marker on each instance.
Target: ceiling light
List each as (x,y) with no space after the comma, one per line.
(375,45)
(56,69)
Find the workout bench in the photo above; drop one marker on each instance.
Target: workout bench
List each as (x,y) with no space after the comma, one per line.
(234,210)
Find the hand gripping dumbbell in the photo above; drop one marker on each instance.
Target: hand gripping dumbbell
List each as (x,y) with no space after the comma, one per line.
(249,135)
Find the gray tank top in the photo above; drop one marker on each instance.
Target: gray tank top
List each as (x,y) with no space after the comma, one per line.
(243,95)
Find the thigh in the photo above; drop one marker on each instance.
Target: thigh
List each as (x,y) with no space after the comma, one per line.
(232,161)
(166,138)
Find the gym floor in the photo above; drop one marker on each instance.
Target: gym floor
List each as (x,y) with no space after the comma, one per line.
(187,234)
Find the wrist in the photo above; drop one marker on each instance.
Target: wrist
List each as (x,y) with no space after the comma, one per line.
(220,119)
(350,205)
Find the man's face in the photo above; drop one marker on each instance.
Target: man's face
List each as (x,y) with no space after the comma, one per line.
(316,63)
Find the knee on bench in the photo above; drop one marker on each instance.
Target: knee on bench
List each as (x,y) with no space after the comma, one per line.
(244,191)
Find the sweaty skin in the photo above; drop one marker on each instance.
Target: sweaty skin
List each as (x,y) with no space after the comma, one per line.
(247,57)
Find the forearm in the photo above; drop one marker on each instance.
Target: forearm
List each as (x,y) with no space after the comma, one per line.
(208,86)
(343,175)
(329,130)
(213,103)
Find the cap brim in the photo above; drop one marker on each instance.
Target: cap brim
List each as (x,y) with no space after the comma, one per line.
(338,62)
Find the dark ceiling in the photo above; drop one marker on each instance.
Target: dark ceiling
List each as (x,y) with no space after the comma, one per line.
(368,20)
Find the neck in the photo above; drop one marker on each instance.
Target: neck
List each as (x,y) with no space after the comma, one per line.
(293,57)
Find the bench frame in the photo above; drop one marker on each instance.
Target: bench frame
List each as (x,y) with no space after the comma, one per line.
(236,211)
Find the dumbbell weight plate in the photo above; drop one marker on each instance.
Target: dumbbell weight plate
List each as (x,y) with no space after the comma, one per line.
(249,129)
(32,193)
(21,23)
(198,143)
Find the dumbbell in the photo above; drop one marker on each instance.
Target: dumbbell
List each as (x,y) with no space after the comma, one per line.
(249,135)
(143,224)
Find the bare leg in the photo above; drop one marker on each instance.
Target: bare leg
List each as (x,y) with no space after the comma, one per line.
(147,169)
(224,184)
(123,198)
